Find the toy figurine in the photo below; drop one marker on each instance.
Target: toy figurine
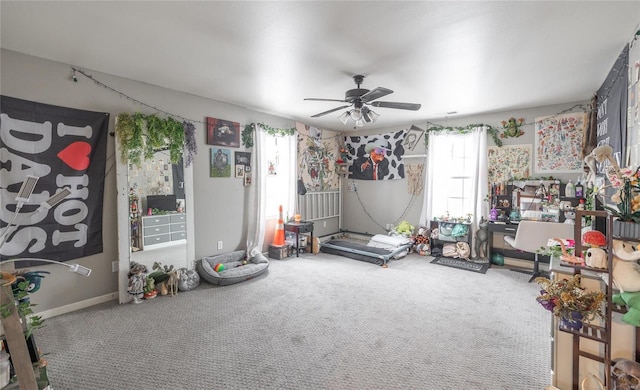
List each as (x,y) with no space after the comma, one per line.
(137,281)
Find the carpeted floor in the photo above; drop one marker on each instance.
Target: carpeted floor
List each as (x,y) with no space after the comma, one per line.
(314,322)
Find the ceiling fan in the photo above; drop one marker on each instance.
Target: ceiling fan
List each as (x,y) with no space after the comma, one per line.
(359,98)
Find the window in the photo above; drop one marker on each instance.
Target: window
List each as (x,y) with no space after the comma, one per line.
(453,183)
(280,177)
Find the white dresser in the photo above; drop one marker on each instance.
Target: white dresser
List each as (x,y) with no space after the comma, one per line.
(163,230)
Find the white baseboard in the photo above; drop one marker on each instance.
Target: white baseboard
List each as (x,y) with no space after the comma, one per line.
(77,305)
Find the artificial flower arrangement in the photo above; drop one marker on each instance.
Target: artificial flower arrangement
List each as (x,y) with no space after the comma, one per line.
(627,197)
(565,297)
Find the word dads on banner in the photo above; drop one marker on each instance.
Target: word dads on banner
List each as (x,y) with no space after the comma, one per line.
(64,148)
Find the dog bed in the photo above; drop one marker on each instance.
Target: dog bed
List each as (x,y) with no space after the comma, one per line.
(234,271)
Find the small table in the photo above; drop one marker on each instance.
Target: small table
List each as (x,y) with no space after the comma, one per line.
(297,228)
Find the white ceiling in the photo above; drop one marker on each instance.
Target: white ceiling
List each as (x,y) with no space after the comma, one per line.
(469,57)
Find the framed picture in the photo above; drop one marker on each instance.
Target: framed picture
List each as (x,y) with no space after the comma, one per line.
(271,168)
(220,162)
(247,168)
(242,158)
(239,170)
(558,143)
(222,132)
(247,180)
(413,136)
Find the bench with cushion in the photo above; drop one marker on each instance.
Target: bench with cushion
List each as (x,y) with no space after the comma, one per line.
(234,271)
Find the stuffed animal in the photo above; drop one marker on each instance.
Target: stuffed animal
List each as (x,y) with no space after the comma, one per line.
(482,241)
(189,279)
(632,301)
(421,241)
(600,154)
(596,258)
(626,270)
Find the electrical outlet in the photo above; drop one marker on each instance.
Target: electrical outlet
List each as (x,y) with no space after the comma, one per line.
(219,244)
(324,223)
(114,266)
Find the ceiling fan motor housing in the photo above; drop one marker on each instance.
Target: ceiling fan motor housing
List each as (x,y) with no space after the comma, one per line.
(354,94)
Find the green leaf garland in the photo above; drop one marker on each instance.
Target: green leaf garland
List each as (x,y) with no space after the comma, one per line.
(142,135)
(247,133)
(492,131)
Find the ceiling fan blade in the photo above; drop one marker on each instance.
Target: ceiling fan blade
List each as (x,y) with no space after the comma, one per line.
(330,111)
(375,94)
(401,106)
(325,100)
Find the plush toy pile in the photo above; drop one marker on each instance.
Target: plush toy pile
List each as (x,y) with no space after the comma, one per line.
(421,242)
(626,278)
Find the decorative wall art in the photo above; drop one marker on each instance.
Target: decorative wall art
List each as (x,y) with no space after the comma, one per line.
(271,168)
(240,171)
(242,158)
(220,164)
(69,149)
(316,158)
(509,162)
(376,157)
(222,132)
(512,127)
(558,143)
(247,179)
(412,138)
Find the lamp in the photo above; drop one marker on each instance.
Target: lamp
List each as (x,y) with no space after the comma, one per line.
(359,115)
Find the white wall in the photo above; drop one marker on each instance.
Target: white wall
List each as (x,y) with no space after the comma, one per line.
(387,200)
(220,203)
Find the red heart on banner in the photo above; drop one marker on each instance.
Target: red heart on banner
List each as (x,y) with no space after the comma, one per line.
(76,155)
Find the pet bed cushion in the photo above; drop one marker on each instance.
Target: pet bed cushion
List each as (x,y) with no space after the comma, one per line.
(234,271)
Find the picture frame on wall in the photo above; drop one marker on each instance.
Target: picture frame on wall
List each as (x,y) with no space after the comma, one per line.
(247,179)
(223,132)
(242,158)
(220,162)
(412,138)
(239,170)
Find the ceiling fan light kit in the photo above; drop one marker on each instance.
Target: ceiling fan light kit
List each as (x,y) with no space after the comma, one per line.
(359,98)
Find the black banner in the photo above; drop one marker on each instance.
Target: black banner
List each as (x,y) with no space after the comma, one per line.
(611,123)
(64,148)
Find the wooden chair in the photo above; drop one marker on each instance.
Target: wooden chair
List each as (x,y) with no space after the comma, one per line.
(531,236)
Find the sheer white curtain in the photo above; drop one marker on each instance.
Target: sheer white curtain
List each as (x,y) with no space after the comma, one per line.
(257,197)
(282,151)
(457,188)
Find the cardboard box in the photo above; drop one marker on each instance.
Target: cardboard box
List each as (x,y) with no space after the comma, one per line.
(279,252)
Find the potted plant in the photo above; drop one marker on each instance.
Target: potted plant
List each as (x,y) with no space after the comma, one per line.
(627,199)
(570,302)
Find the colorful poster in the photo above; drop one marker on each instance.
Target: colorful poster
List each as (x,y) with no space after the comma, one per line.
(558,143)
(63,148)
(509,162)
(317,154)
(376,157)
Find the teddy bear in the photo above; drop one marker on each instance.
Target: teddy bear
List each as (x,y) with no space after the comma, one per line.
(421,242)
(626,277)
(626,270)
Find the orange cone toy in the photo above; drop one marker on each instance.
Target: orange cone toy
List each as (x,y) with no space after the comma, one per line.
(278,237)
